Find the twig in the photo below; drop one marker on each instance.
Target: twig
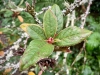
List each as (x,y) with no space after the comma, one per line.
(73,18)
(20,2)
(33,3)
(70,8)
(40,72)
(78,54)
(9,53)
(25,42)
(30,9)
(85,55)
(68,20)
(41,67)
(83,16)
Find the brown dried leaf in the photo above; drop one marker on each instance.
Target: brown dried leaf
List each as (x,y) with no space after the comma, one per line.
(1,53)
(1,42)
(7,71)
(0,32)
(40,73)
(31,73)
(20,18)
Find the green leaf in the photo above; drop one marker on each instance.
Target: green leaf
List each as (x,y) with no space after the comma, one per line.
(49,23)
(56,10)
(5,30)
(6,21)
(98,60)
(8,13)
(28,18)
(36,32)
(12,5)
(87,70)
(92,44)
(79,56)
(93,41)
(71,36)
(37,49)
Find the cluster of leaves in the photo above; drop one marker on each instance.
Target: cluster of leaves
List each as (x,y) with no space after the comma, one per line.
(51,35)
(90,67)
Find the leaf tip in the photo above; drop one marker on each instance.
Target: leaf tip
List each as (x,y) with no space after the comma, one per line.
(24,26)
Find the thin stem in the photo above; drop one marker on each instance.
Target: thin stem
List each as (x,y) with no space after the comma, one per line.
(73,18)
(20,2)
(73,6)
(40,72)
(78,54)
(83,16)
